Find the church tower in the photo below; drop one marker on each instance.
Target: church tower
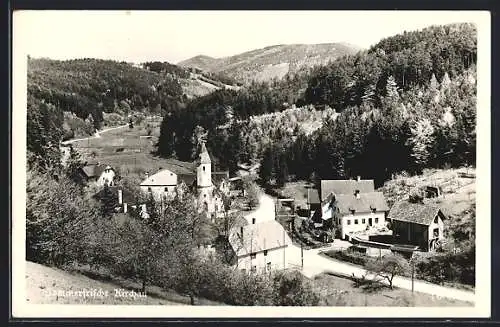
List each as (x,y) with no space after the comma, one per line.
(204,178)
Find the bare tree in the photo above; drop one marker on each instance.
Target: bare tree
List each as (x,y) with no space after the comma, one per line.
(388,267)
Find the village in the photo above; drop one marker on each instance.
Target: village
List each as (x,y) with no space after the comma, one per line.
(307,230)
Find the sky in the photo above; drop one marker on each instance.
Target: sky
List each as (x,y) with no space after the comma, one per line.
(173,36)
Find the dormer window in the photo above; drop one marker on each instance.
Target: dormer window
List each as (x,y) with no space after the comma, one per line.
(351,210)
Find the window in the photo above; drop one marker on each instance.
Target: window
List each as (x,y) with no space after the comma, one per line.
(355,221)
(203,168)
(436,220)
(348,221)
(166,189)
(149,190)
(268,266)
(253,255)
(254,269)
(265,252)
(363,221)
(436,232)
(204,195)
(376,220)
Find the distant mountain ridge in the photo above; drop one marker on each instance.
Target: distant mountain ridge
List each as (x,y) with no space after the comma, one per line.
(272,61)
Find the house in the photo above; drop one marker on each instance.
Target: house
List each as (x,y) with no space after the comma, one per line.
(316,197)
(417,224)
(260,247)
(98,173)
(209,186)
(351,213)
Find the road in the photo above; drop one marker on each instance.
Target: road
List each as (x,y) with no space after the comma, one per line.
(265,210)
(316,263)
(96,135)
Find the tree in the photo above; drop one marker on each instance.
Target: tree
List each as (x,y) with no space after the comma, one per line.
(421,141)
(197,137)
(266,166)
(291,289)
(388,267)
(108,202)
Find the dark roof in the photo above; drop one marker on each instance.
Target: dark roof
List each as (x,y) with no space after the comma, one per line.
(127,196)
(418,213)
(313,196)
(346,186)
(366,202)
(94,170)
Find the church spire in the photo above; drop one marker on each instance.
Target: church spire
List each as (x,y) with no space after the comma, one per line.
(204,157)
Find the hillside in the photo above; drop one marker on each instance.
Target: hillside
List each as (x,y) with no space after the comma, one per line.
(270,62)
(43,284)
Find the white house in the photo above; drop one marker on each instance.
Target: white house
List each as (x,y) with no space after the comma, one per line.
(360,211)
(260,247)
(351,213)
(99,174)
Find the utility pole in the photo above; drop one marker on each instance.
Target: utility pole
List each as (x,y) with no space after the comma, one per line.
(412,275)
(302,254)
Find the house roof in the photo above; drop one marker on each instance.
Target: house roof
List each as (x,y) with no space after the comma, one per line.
(365,203)
(94,170)
(127,196)
(417,213)
(258,237)
(162,178)
(346,186)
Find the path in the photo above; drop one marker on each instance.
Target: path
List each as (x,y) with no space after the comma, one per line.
(98,133)
(316,263)
(265,210)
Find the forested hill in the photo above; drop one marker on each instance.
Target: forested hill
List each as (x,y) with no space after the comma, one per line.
(407,103)
(272,61)
(91,87)
(410,59)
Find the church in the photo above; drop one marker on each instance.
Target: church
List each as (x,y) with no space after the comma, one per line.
(209,185)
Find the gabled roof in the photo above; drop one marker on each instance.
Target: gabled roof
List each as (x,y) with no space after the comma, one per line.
(367,202)
(345,186)
(258,237)
(417,213)
(94,170)
(164,177)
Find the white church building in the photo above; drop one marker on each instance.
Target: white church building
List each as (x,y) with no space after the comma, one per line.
(209,185)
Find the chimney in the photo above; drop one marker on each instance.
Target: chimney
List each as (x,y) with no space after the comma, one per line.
(253,221)
(356,194)
(120,197)
(359,178)
(125,207)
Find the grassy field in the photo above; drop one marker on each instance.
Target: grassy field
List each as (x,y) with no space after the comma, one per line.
(340,291)
(130,151)
(43,283)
